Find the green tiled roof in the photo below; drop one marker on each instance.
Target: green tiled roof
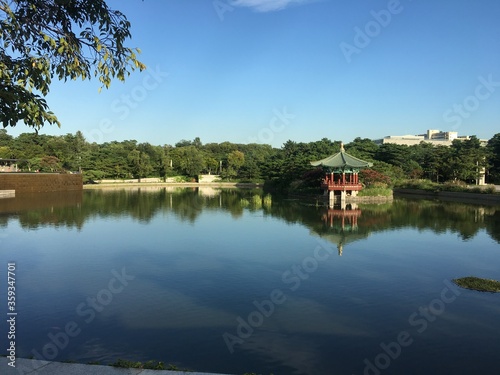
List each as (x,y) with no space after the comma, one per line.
(342,160)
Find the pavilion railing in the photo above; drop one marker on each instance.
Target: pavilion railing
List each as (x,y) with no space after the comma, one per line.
(341,186)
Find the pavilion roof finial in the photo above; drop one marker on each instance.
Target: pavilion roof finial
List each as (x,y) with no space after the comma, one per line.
(342,147)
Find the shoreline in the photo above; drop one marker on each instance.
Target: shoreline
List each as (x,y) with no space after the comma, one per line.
(450,196)
(464,197)
(35,366)
(242,185)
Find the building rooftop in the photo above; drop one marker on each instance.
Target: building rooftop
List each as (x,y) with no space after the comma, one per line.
(342,160)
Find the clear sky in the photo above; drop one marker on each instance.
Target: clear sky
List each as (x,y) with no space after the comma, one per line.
(267,71)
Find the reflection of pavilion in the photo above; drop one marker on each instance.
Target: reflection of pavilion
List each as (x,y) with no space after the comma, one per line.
(341,223)
(341,177)
(345,219)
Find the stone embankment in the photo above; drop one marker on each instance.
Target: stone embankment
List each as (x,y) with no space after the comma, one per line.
(40,182)
(480,198)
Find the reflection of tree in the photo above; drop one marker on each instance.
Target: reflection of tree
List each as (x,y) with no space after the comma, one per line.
(72,209)
(464,219)
(492,223)
(34,210)
(341,226)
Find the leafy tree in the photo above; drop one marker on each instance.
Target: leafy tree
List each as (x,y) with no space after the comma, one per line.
(188,160)
(370,177)
(393,154)
(413,169)
(211,164)
(320,149)
(362,148)
(183,143)
(197,142)
(250,169)
(493,148)
(5,139)
(76,146)
(393,172)
(50,163)
(235,160)
(28,146)
(57,146)
(467,158)
(34,164)
(139,163)
(110,158)
(256,156)
(436,165)
(42,39)
(5,152)
(159,161)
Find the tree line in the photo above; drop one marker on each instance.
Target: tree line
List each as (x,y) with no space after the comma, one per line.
(280,167)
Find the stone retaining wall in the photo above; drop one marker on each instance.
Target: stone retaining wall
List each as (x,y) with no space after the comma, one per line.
(40,182)
(479,198)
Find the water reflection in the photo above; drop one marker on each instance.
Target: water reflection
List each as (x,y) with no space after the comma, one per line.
(342,223)
(339,225)
(202,257)
(58,209)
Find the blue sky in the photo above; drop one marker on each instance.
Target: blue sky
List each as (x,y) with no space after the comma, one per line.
(267,71)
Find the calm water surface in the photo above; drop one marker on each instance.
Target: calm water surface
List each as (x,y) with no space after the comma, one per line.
(222,281)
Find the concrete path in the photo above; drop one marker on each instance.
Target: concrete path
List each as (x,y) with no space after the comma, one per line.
(35,367)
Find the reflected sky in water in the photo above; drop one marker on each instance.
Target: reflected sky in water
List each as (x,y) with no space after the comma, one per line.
(200,262)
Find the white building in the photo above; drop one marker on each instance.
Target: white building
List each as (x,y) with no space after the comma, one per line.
(436,137)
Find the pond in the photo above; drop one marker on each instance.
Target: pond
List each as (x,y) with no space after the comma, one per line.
(234,281)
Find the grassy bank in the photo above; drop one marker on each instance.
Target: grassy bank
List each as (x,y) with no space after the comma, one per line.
(375,192)
(447,186)
(479,284)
